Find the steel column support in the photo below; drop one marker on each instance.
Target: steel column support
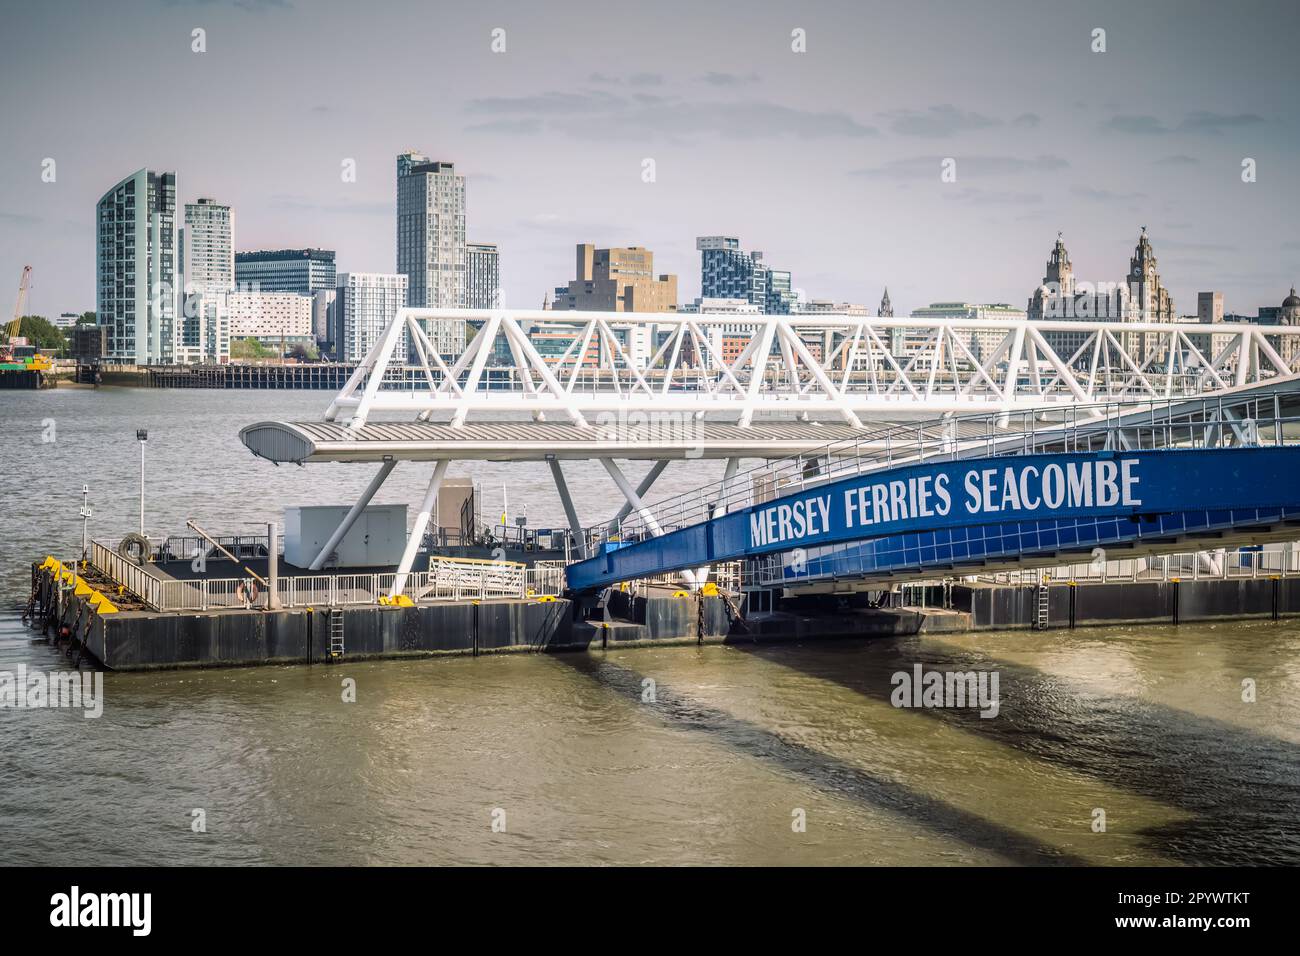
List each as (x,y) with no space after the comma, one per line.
(646,484)
(638,505)
(575,526)
(417,530)
(351,517)
(718,510)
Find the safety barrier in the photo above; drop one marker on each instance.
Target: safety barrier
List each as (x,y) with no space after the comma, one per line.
(447,579)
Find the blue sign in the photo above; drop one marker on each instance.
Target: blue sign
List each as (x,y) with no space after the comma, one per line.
(951,494)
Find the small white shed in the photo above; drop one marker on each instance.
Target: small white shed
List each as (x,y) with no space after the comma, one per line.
(377,539)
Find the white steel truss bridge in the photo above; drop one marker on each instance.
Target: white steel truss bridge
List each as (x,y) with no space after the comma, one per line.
(556,385)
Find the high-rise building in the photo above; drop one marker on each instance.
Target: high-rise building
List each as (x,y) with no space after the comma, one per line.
(728,272)
(617,280)
(206,254)
(364,305)
(207,251)
(484,282)
(270,316)
(431,244)
(135,267)
(304,271)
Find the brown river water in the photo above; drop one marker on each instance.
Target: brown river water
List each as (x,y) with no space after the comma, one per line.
(785,754)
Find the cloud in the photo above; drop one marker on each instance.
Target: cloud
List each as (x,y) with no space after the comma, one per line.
(1217,122)
(577,230)
(927,167)
(551,104)
(987,197)
(1198,121)
(1027,120)
(604,116)
(1104,195)
(509,127)
(289,202)
(937,121)
(1179,160)
(636,79)
(1137,125)
(728,79)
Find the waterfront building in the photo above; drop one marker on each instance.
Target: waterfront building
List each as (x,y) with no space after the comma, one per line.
(135,267)
(831,307)
(886,310)
(364,305)
(431,246)
(981,342)
(728,272)
(270,316)
(304,271)
(206,253)
(721,307)
(617,280)
(484,272)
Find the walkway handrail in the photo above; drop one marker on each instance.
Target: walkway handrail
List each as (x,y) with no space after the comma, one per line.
(1165,423)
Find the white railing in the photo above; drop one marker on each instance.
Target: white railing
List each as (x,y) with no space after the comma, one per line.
(447,579)
(1276,560)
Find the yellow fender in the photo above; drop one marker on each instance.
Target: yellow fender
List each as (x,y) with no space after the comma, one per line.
(82,588)
(680,594)
(546,599)
(51,564)
(709,590)
(400,600)
(105,606)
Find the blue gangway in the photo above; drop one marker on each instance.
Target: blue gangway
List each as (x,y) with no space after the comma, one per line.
(947,511)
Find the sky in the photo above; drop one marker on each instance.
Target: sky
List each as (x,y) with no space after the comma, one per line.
(828,160)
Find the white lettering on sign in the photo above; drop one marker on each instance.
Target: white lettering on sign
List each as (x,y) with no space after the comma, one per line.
(1004,489)
(790,522)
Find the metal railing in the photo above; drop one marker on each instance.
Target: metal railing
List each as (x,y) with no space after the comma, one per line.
(1166,424)
(1265,561)
(446,579)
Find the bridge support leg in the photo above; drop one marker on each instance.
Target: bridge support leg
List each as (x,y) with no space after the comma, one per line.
(351,518)
(637,505)
(702,574)
(647,483)
(575,526)
(417,529)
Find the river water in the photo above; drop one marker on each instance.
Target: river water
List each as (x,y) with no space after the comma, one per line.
(789,754)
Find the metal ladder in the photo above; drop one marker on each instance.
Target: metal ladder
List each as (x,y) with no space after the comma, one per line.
(336,633)
(1040,622)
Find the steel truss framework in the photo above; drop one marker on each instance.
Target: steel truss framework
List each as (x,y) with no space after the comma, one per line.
(864,368)
(814,367)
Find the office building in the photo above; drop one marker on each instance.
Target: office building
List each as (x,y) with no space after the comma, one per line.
(304,271)
(135,267)
(728,272)
(617,280)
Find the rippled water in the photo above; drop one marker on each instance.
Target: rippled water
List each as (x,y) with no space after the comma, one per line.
(1147,725)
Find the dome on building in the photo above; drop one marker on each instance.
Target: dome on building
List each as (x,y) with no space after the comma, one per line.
(1292,301)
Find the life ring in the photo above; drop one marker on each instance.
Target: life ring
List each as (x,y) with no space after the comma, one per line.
(246,591)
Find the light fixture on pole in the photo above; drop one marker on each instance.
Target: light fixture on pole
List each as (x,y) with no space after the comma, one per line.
(142,436)
(85,520)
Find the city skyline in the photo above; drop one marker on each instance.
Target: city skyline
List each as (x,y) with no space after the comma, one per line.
(828,160)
